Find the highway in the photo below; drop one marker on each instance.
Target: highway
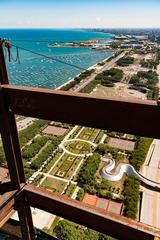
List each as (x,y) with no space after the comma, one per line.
(89,79)
(150,207)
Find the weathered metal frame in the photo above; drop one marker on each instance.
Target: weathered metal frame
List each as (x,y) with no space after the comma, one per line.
(115,225)
(119,114)
(105,113)
(7,203)
(9,135)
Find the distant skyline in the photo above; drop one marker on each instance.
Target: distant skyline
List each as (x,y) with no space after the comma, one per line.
(80,14)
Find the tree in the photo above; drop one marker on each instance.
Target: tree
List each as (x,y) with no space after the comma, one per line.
(140,152)
(125,61)
(131,196)
(88,170)
(80,194)
(101,149)
(70,231)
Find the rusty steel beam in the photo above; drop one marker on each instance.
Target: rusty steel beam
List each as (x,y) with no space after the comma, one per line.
(3,69)
(15,200)
(118,114)
(7,203)
(8,130)
(108,223)
(8,144)
(9,134)
(25,217)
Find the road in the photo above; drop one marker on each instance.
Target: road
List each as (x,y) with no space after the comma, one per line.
(92,77)
(151,200)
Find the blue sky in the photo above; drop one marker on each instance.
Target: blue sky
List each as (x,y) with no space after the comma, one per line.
(79,13)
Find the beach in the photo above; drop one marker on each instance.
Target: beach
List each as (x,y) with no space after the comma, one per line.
(95,66)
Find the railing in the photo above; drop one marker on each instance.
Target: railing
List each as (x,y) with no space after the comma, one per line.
(140,118)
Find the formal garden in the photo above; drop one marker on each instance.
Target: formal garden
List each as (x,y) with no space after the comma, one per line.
(66,166)
(79,147)
(91,134)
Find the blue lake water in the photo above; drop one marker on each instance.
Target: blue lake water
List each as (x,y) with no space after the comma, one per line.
(38,71)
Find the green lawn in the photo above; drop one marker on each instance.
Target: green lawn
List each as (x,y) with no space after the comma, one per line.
(99,136)
(89,134)
(79,147)
(59,166)
(66,166)
(50,164)
(86,133)
(53,185)
(104,90)
(94,135)
(73,168)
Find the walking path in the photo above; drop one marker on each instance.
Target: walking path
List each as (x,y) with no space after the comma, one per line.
(62,146)
(103,138)
(74,195)
(58,178)
(51,169)
(70,133)
(40,169)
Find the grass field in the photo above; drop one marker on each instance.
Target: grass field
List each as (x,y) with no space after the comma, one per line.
(89,134)
(57,166)
(99,136)
(78,147)
(73,168)
(53,185)
(66,166)
(104,90)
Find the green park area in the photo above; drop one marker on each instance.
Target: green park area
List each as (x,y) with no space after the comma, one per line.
(54,185)
(89,134)
(107,78)
(77,80)
(79,147)
(146,82)
(102,90)
(153,62)
(66,166)
(125,61)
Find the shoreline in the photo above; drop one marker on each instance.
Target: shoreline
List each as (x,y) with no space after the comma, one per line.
(91,67)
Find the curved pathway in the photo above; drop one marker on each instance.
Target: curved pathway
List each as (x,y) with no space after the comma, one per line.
(62,146)
(122,168)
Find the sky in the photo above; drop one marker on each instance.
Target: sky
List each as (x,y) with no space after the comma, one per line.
(80,14)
